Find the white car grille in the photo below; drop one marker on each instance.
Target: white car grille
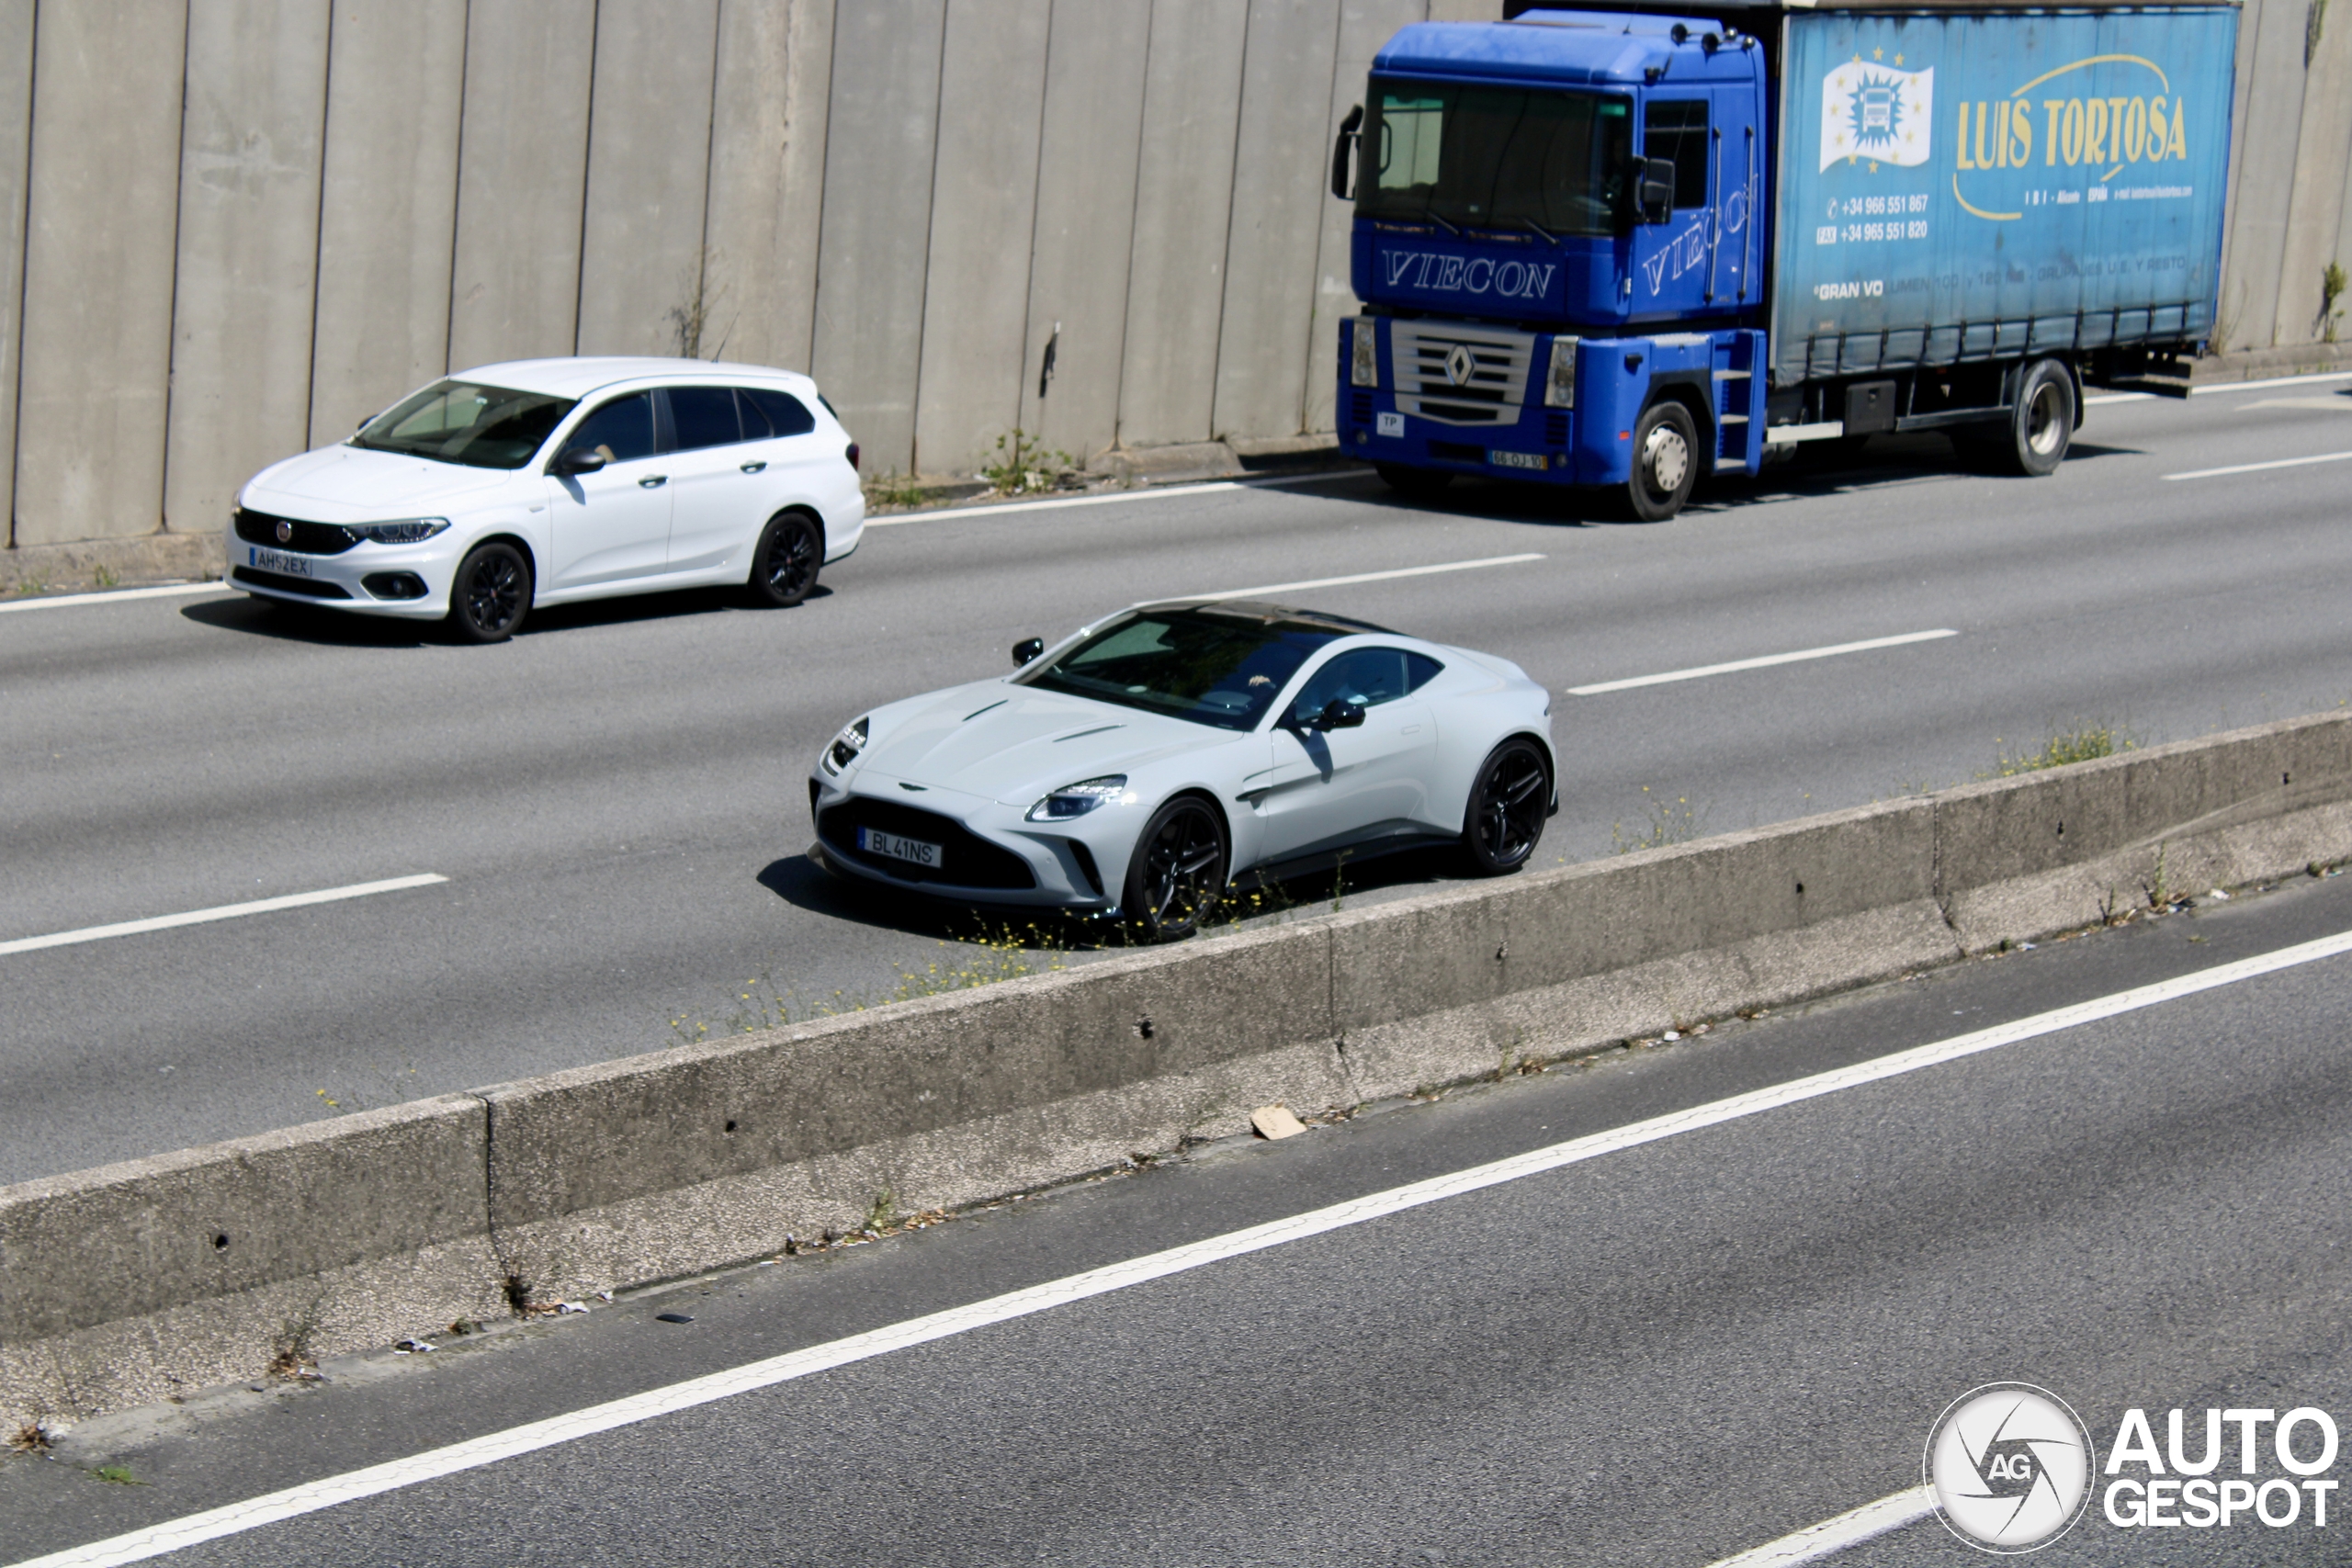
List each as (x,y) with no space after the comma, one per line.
(1491,364)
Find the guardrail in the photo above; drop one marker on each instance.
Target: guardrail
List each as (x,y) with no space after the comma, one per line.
(133,1281)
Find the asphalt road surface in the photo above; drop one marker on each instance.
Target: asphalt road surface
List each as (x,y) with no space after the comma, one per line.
(1664,1355)
(617,797)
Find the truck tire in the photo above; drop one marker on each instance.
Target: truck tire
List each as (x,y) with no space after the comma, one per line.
(1413,484)
(2042,423)
(1665,461)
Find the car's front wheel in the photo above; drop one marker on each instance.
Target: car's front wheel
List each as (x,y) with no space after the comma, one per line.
(1510,800)
(784,566)
(490,594)
(1177,874)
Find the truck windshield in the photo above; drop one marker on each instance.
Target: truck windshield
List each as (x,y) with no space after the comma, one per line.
(1494,157)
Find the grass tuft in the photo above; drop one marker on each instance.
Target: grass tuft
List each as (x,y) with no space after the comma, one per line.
(1667,824)
(998,954)
(2085,742)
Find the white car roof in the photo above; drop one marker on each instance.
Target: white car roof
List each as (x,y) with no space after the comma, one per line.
(577,378)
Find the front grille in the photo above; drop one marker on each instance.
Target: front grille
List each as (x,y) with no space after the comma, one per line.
(310,588)
(965,859)
(303,538)
(1492,393)
(1363,408)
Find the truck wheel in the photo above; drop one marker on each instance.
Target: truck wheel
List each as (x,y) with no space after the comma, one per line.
(2043,422)
(1413,484)
(1666,462)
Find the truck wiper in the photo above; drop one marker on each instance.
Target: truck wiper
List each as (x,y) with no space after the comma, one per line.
(1539,228)
(1442,224)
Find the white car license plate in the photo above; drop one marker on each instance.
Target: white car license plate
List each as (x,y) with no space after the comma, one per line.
(277,561)
(913,850)
(1538,460)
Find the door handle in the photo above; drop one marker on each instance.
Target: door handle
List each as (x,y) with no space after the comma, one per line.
(753,467)
(653,481)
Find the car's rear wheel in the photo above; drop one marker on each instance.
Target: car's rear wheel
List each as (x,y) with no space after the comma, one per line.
(1177,874)
(490,594)
(784,567)
(1508,802)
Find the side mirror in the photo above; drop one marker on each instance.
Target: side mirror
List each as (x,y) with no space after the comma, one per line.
(578,460)
(1339,714)
(1652,190)
(1341,186)
(1027,648)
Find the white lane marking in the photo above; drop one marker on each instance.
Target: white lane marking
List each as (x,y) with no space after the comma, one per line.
(1765,662)
(114,596)
(1368,576)
(1213,487)
(326,1492)
(222,912)
(1847,1529)
(2221,386)
(2257,467)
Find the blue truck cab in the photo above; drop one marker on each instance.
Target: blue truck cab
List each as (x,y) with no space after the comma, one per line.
(1630,247)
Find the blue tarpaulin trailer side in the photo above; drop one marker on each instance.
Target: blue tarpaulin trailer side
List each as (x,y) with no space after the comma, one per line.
(1979,187)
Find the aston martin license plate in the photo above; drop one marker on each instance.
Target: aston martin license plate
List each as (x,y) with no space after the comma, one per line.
(277,561)
(913,850)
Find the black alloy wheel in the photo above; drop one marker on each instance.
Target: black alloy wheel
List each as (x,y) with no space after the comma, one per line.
(1413,484)
(1665,461)
(784,566)
(1510,801)
(1177,874)
(490,594)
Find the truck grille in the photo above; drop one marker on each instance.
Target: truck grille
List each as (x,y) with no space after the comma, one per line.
(1495,361)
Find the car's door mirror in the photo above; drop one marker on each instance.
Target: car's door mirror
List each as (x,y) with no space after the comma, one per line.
(578,460)
(1652,190)
(1027,648)
(1339,714)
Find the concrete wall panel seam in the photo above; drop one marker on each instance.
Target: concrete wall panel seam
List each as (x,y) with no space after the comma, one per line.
(21,17)
(179,201)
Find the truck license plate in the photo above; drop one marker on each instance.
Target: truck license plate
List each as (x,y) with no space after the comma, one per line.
(277,561)
(913,850)
(1537,460)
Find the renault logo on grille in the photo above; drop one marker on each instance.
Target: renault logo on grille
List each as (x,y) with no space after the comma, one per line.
(285,530)
(1460,363)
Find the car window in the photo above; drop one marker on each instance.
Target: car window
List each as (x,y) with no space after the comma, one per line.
(703,416)
(1364,676)
(1221,665)
(767,411)
(460,422)
(622,430)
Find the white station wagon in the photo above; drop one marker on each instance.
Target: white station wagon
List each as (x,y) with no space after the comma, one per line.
(543,481)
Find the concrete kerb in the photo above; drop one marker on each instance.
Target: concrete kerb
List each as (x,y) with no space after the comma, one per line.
(354,1232)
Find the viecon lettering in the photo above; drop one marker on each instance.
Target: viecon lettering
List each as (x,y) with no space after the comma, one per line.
(1442,274)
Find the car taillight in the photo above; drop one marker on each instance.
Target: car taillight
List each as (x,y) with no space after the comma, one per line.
(853,454)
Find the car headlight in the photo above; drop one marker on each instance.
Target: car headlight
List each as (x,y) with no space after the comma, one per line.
(845,747)
(408,530)
(1078,799)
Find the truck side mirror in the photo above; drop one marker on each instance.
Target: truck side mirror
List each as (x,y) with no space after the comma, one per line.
(1341,186)
(1652,190)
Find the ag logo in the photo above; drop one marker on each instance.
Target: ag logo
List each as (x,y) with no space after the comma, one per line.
(2009,1467)
(1460,365)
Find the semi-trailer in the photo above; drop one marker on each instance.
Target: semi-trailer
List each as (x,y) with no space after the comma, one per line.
(1626,245)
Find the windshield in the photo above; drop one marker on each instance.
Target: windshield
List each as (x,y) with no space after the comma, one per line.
(458,422)
(1495,157)
(1211,664)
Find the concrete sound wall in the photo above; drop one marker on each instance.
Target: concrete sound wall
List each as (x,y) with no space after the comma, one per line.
(129,1282)
(230,229)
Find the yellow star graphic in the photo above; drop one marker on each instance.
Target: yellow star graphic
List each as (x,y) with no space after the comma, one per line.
(1878,55)
(1873,165)
(1849,160)
(1898,60)
(1858,59)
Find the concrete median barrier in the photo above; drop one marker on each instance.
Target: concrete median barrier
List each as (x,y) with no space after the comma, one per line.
(116,1286)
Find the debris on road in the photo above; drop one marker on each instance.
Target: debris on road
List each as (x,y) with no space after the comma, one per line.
(673,1318)
(1276,1121)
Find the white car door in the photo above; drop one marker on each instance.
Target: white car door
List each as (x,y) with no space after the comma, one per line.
(717,478)
(1333,787)
(613,524)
